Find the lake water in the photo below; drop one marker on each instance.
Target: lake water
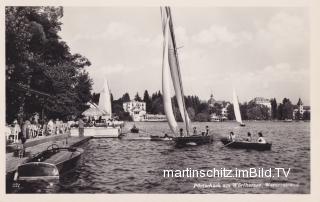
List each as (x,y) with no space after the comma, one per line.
(136,166)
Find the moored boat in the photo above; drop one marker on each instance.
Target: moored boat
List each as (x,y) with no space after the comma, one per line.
(102,132)
(49,164)
(106,126)
(134,129)
(246,145)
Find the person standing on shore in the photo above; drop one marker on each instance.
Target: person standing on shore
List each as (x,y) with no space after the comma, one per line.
(57,126)
(81,127)
(50,127)
(25,129)
(16,130)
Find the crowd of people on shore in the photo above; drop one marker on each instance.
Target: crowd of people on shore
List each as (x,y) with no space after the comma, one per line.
(32,128)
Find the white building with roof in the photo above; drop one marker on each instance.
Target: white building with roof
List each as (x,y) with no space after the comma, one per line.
(136,109)
(262,101)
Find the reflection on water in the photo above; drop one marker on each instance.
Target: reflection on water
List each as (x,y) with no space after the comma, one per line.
(124,166)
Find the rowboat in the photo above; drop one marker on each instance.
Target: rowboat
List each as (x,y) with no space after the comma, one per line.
(246,145)
(49,164)
(134,129)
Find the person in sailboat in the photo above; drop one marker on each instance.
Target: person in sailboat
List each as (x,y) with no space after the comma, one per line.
(232,136)
(207,130)
(166,136)
(249,138)
(261,139)
(181,132)
(194,130)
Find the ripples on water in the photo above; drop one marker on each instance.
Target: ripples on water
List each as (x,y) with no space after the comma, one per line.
(136,166)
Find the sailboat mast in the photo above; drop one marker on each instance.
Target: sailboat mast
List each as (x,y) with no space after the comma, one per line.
(178,67)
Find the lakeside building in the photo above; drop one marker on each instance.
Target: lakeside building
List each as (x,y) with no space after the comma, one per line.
(136,109)
(154,117)
(262,101)
(299,107)
(224,111)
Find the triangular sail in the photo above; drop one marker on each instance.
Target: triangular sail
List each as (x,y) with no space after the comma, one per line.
(175,69)
(236,107)
(166,82)
(105,100)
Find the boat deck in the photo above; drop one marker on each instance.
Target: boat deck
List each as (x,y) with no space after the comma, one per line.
(12,162)
(59,157)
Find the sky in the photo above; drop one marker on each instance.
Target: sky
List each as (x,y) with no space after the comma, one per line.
(260,51)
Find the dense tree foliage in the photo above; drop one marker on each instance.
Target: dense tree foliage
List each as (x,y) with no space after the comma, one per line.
(274,108)
(200,111)
(147,100)
(40,62)
(137,97)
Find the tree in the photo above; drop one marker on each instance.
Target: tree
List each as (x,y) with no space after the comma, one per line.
(137,97)
(33,48)
(297,115)
(157,106)
(191,113)
(274,108)
(202,117)
(306,115)
(287,109)
(217,108)
(280,112)
(147,100)
(244,110)
(231,115)
(257,111)
(125,97)
(203,108)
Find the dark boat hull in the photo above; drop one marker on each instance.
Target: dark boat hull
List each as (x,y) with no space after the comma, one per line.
(246,145)
(192,140)
(49,164)
(134,130)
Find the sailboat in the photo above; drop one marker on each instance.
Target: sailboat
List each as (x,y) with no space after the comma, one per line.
(237,109)
(105,126)
(105,101)
(171,72)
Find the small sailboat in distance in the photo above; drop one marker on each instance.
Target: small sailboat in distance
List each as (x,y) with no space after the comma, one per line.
(170,66)
(236,108)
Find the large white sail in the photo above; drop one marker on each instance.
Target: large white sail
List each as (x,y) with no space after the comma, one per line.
(105,100)
(166,81)
(174,69)
(236,107)
(176,83)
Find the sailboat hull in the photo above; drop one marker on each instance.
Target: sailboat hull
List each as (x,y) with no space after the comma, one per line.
(193,140)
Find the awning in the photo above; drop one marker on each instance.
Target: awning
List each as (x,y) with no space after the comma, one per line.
(94,111)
